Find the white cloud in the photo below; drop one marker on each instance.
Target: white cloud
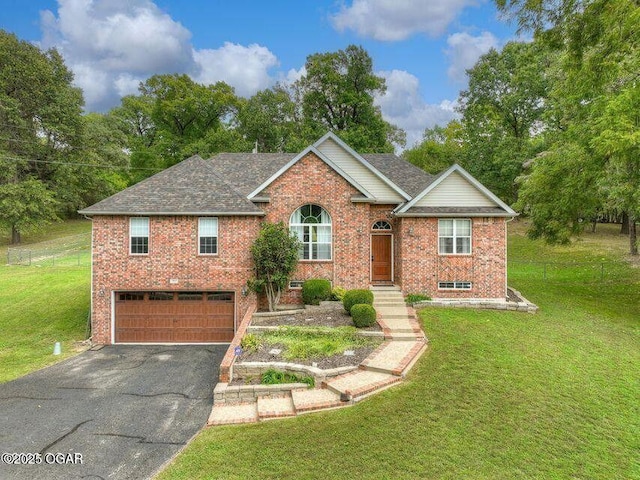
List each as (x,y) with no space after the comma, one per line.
(245,68)
(393,20)
(403,106)
(112,45)
(464,50)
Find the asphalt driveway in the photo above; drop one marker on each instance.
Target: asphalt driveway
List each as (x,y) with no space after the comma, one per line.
(122,411)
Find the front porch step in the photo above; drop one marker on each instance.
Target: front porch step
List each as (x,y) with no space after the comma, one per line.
(393,357)
(387,294)
(230,413)
(356,385)
(384,288)
(389,304)
(404,336)
(275,407)
(309,400)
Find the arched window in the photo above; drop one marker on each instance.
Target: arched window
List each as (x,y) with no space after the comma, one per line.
(312,225)
(381,225)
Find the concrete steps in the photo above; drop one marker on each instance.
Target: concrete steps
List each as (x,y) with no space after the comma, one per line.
(275,407)
(356,385)
(393,357)
(230,413)
(306,401)
(385,367)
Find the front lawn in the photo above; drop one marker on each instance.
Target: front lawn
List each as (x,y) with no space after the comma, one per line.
(497,395)
(41,305)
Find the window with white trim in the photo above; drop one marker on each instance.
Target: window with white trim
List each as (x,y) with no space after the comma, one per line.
(208,236)
(311,224)
(454,285)
(139,235)
(454,236)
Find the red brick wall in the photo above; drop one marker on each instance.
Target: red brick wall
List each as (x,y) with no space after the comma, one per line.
(173,249)
(421,267)
(172,255)
(312,181)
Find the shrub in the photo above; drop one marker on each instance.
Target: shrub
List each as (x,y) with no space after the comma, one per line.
(276,377)
(416,297)
(315,291)
(353,297)
(363,315)
(250,342)
(338,293)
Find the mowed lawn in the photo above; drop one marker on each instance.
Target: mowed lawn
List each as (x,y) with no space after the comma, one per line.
(498,395)
(41,305)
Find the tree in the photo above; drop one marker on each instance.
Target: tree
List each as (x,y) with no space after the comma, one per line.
(501,111)
(594,97)
(41,132)
(275,255)
(337,93)
(269,119)
(440,148)
(174,117)
(26,206)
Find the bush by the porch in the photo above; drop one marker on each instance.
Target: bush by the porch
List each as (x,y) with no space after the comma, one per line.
(363,315)
(353,297)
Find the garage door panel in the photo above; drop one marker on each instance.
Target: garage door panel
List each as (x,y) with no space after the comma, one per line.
(192,335)
(166,317)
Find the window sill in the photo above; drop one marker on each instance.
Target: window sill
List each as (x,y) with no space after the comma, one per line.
(315,261)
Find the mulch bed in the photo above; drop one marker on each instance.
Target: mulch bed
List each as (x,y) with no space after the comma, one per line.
(329,314)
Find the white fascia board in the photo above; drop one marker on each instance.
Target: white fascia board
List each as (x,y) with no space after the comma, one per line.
(294,160)
(457,168)
(366,164)
(458,215)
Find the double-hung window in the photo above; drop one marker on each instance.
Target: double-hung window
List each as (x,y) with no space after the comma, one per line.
(454,236)
(139,235)
(312,225)
(208,236)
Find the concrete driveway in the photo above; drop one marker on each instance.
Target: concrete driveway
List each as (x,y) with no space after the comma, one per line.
(123,411)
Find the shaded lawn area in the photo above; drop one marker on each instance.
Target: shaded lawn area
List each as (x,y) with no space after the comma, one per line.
(40,306)
(497,395)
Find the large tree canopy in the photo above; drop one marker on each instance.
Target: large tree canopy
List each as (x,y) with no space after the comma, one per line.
(338,93)
(594,110)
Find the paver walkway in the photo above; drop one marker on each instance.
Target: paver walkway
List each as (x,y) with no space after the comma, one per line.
(385,367)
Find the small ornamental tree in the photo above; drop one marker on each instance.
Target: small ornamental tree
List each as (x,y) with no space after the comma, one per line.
(275,255)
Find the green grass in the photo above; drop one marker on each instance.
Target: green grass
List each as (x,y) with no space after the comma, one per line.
(498,395)
(41,305)
(277,377)
(312,342)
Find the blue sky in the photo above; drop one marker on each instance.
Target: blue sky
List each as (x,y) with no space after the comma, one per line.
(421,47)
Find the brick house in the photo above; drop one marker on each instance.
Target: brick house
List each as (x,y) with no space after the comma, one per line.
(171,254)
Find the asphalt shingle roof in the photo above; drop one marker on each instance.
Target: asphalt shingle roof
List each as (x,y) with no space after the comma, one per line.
(190,187)
(407,176)
(221,185)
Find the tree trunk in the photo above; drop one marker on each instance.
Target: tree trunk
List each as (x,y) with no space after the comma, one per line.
(624,229)
(15,235)
(593,225)
(633,239)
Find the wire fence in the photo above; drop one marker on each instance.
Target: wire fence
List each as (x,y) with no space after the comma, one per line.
(69,251)
(565,272)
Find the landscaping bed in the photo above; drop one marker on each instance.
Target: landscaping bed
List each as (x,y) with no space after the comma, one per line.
(328,314)
(322,337)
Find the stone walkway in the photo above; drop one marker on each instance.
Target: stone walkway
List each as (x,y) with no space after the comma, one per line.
(385,367)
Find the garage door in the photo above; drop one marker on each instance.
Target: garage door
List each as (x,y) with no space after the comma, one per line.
(174,317)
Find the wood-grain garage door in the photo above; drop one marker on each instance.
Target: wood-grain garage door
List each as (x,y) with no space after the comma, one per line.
(174,317)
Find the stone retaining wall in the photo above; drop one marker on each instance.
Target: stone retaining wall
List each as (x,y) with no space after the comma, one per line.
(522,305)
(224,393)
